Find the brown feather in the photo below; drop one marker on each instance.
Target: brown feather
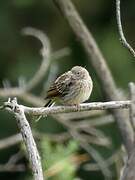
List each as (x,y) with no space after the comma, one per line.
(57,89)
(52,93)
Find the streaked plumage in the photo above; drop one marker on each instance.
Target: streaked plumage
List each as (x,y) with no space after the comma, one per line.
(72,87)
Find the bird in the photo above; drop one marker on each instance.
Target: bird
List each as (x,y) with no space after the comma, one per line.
(71,88)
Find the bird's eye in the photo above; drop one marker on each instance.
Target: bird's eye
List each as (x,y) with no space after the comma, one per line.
(70,84)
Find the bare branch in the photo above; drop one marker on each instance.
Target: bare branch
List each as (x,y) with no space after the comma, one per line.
(84,144)
(52,74)
(132,108)
(61,53)
(28,139)
(110,161)
(15,158)
(82,107)
(129,168)
(12,165)
(98,121)
(60,109)
(100,66)
(32,99)
(120,29)
(95,155)
(18,92)
(17,138)
(22,92)
(86,114)
(10,141)
(6,84)
(12,168)
(46,55)
(45,51)
(10,92)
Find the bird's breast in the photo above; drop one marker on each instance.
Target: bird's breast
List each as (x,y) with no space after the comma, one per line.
(79,92)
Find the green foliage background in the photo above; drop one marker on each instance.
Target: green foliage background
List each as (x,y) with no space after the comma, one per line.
(19,55)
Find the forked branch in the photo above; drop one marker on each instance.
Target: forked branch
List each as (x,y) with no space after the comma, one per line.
(28,139)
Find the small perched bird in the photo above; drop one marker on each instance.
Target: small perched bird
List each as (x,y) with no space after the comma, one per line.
(71,88)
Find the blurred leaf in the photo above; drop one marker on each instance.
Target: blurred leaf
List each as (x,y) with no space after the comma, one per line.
(56,159)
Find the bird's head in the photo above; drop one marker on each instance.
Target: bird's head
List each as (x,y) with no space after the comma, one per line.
(80,72)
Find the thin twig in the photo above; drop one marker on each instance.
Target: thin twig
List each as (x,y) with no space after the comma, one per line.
(120,29)
(19,92)
(15,158)
(12,168)
(10,141)
(110,161)
(28,139)
(61,53)
(15,91)
(84,115)
(17,138)
(98,121)
(52,74)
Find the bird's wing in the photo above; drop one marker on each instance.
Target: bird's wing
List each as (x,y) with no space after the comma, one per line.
(60,87)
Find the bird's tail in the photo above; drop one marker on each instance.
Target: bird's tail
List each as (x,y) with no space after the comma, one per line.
(49,103)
